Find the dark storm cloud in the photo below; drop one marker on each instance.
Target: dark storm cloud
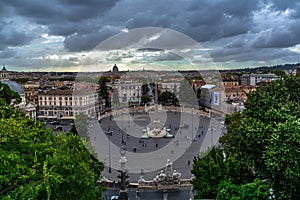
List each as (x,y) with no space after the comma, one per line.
(60,11)
(87,42)
(80,20)
(238,26)
(12,37)
(279,37)
(7,53)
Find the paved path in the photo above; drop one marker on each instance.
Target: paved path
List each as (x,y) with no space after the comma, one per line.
(151,154)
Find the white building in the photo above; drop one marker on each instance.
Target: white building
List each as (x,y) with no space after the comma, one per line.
(129,91)
(66,104)
(170,87)
(255,79)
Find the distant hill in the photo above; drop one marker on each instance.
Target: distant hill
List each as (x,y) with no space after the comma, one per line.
(266,68)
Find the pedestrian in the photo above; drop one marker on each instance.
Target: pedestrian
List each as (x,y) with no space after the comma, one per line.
(189,162)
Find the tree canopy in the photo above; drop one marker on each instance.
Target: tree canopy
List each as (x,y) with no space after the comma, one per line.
(7,95)
(265,139)
(211,169)
(37,164)
(266,135)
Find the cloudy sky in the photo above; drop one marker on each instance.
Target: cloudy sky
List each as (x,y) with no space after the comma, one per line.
(59,35)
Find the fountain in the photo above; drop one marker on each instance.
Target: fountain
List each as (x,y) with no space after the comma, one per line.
(156,132)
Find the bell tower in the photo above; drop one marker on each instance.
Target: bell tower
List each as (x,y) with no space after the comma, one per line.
(4,74)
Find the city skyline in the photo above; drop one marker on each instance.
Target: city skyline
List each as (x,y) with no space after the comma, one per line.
(60,35)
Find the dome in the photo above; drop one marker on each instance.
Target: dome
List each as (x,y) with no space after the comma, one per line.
(14,86)
(115,69)
(4,69)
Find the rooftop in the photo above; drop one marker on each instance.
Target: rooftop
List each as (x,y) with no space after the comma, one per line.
(14,86)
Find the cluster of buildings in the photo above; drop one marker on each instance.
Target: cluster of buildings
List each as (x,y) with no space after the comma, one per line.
(47,96)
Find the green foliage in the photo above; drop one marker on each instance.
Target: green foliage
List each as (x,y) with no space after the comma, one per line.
(145,89)
(256,190)
(266,136)
(20,80)
(168,98)
(280,73)
(103,88)
(211,169)
(145,98)
(36,164)
(7,95)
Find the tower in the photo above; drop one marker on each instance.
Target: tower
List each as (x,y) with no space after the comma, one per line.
(115,70)
(4,74)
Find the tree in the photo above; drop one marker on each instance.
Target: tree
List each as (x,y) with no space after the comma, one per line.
(36,164)
(211,169)
(266,136)
(7,95)
(168,98)
(103,88)
(145,89)
(145,98)
(256,190)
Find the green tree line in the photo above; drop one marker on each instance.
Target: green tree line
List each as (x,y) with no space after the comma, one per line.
(262,142)
(37,164)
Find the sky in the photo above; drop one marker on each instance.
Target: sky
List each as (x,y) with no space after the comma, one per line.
(61,35)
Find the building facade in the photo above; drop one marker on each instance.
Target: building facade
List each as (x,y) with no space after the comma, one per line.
(170,87)
(128,91)
(66,104)
(255,79)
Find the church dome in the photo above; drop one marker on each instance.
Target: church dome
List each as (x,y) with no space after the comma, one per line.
(115,69)
(4,69)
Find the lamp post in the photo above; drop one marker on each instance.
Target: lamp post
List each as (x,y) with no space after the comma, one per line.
(122,131)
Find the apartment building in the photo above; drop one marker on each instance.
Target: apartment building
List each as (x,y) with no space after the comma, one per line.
(255,79)
(129,91)
(170,87)
(66,104)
